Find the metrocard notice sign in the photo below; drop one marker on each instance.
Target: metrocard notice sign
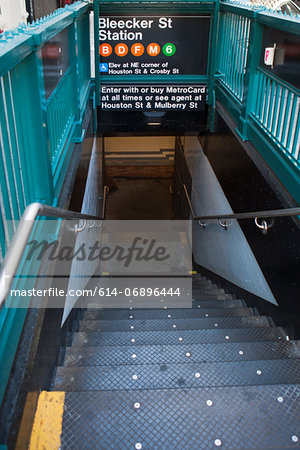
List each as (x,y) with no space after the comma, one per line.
(157,45)
(148,97)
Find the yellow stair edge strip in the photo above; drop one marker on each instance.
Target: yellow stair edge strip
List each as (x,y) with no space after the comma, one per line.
(47,425)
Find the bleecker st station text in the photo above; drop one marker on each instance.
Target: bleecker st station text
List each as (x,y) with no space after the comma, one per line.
(106,25)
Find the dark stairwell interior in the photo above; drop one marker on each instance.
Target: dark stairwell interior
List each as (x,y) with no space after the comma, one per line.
(139,172)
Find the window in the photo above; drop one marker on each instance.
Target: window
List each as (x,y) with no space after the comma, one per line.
(55,57)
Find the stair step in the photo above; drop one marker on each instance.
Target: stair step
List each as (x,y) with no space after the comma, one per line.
(238,418)
(208,290)
(176,354)
(206,287)
(163,314)
(199,277)
(172,323)
(202,281)
(178,376)
(210,295)
(204,304)
(93,339)
(218,303)
(174,302)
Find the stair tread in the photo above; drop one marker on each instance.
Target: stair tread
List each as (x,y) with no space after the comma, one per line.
(172,323)
(206,287)
(218,303)
(144,302)
(198,304)
(162,313)
(240,417)
(167,354)
(209,295)
(177,376)
(172,337)
(209,289)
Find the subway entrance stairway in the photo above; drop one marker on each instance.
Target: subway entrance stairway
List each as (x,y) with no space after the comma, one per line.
(214,375)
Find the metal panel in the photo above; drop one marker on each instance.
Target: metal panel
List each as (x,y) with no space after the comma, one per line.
(225,252)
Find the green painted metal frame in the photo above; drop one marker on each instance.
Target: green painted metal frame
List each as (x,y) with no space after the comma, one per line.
(243,108)
(32,168)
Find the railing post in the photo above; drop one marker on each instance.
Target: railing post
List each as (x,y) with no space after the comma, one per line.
(97,56)
(250,80)
(73,49)
(213,66)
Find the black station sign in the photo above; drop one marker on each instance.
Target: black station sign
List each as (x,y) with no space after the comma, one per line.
(153,97)
(153,45)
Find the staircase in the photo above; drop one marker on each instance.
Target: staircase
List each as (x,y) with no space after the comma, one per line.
(216,375)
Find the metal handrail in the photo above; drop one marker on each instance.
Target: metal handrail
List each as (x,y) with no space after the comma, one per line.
(248,215)
(105,195)
(254,215)
(18,244)
(188,200)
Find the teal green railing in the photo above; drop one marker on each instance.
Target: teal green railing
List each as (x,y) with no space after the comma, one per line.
(83,58)
(38,129)
(277,112)
(264,107)
(38,134)
(233,52)
(14,192)
(60,117)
